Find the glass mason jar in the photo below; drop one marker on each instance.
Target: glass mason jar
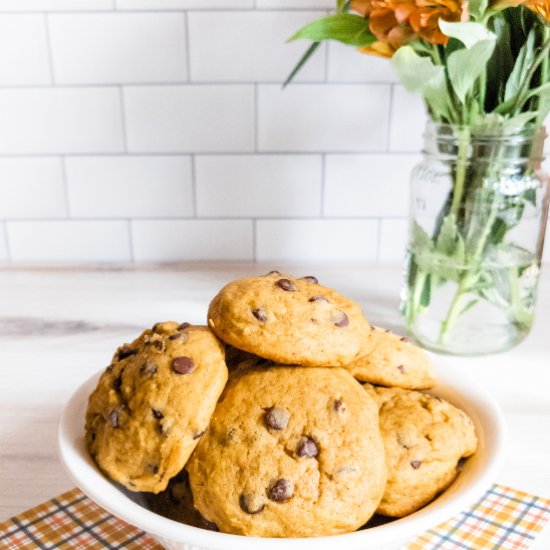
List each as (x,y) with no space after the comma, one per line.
(479,203)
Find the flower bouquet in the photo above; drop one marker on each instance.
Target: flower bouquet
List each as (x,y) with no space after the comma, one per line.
(479,198)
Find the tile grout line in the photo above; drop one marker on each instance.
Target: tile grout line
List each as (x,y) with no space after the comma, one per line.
(123,118)
(256,119)
(187,45)
(63,161)
(49,47)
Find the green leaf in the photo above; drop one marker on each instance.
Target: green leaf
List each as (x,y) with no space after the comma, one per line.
(426,294)
(468,33)
(446,240)
(419,74)
(468,306)
(521,66)
(498,231)
(466,66)
(344,27)
(420,239)
(307,54)
(477,8)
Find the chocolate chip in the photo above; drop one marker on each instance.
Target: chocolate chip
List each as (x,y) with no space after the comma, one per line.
(157,414)
(416,464)
(339,405)
(251,503)
(155,327)
(183,365)
(272,272)
(307,447)
(287,284)
(177,336)
(281,490)
(277,418)
(310,279)
(260,314)
(117,382)
(318,299)
(404,339)
(125,351)
(183,326)
(109,368)
(340,319)
(401,368)
(203,523)
(114,417)
(154,468)
(148,369)
(197,435)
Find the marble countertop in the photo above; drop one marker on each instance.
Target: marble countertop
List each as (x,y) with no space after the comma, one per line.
(59,326)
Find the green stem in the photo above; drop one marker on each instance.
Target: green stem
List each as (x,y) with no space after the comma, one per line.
(468,279)
(412,310)
(462,163)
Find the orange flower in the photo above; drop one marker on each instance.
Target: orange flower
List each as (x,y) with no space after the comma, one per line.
(396,22)
(381,49)
(541,7)
(425,20)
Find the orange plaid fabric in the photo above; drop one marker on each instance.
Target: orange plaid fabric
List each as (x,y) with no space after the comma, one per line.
(503,519)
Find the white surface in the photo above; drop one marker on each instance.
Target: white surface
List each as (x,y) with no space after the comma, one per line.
(345,64)
(153,48)
(137,187)
(47,241)
(62,120)
(394,236)
(24,50)
(59,327)
(251,46)
(175,240)
(190,118)
(478,474)
(368,185)
(316,240)
(408,118)
(304,117)
(258,185)
(55,5)
(32,188)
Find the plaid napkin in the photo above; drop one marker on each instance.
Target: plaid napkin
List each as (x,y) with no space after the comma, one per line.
(503,519)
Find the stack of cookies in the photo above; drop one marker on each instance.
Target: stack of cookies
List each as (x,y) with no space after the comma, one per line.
(288,416)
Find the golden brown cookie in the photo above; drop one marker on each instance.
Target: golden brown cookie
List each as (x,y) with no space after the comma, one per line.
(289,321)
(393,361)
(425,439)
(290,452)
(153,402)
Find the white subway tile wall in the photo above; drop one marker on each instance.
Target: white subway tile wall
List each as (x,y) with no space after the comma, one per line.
(158,131)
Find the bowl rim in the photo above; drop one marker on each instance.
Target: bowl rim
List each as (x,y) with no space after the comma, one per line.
(453,385)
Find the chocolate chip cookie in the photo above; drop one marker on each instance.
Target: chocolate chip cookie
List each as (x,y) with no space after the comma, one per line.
(425,439)
(289,321)
(290,452)
(153,403)
(393,361)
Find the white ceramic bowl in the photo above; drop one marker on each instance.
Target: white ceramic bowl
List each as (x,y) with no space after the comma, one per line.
(477,476)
